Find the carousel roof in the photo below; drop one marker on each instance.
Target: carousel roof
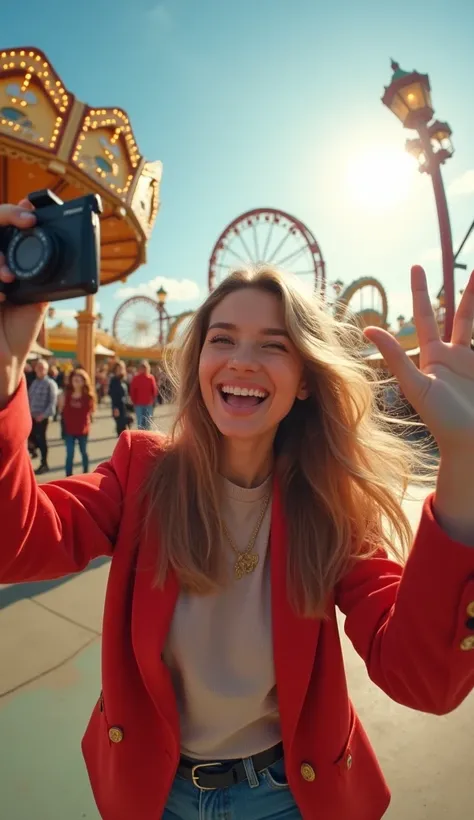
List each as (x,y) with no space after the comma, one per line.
(50,139)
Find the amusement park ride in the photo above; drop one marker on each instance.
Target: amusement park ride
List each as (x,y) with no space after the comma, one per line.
(51,140)
(260,235)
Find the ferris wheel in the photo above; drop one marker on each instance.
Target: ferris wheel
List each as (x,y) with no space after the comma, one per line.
(268,236)
(138,322)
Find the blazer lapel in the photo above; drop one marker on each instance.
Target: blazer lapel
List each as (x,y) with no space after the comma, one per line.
(152,611)
(295,639)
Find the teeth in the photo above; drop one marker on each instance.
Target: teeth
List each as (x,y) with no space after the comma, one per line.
(244,391)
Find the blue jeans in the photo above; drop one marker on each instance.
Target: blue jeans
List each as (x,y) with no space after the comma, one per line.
(70,447)
(144,416)
(263,796)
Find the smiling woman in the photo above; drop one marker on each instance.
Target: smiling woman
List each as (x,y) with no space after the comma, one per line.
(380,177)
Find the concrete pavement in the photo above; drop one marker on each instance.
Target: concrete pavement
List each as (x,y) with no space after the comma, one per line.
(50,680)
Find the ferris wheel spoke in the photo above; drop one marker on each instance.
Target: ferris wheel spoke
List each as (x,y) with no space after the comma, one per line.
(304,272)
(279,247)
(127,338)
(234,253)
(267,242)
(255,240)
(292,256)
(247,251)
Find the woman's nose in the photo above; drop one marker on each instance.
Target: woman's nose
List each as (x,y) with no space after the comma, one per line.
(244,359)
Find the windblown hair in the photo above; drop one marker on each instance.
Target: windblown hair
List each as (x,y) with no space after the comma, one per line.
(87,388)
(342,469)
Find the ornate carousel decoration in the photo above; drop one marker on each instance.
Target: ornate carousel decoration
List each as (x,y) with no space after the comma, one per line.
(50,139)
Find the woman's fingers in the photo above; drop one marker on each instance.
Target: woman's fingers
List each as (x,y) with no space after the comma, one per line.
(5,273)
(423,314)
(463,325)
(26,205)
(14,215)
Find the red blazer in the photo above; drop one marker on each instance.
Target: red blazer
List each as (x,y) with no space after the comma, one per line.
(143,389)
(409,626)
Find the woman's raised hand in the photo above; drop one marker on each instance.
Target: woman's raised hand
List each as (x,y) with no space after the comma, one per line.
(442,389)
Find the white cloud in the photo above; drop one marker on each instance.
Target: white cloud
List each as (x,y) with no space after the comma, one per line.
(63,313)
(178,290)
(462,185)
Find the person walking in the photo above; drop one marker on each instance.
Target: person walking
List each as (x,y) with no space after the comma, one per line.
(120,399)
(143,392)
(276,499)
(76,404)
(42,395)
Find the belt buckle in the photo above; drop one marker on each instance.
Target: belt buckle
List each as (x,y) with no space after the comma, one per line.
(194,777)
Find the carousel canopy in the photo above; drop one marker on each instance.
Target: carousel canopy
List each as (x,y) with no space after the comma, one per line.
(50,139)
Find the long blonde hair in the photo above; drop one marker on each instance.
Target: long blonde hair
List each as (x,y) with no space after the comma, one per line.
(342,471)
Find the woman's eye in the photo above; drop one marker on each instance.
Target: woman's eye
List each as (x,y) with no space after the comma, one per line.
(220,340)
(276,345)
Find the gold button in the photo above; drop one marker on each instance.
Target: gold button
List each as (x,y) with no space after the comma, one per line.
(470,609)
(307,772)
(349,761)
(467,643)
(115,734)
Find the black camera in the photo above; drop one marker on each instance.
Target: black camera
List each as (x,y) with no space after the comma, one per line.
(59,257)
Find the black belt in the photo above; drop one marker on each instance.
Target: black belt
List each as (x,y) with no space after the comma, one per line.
(226,772)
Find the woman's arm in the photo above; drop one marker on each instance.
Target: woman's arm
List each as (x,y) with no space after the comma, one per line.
(57,528)
(414,625)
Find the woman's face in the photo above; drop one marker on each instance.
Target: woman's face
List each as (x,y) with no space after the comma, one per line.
(250,373)
(77,382)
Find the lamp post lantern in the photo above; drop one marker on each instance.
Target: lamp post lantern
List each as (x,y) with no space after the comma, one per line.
(161,295)
(409,97)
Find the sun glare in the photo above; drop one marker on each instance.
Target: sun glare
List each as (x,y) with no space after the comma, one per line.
(380,178)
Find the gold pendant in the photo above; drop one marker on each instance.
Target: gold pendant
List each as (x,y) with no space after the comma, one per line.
(245,564)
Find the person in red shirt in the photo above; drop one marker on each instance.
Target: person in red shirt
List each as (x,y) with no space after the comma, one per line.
(77,405)
(143,392)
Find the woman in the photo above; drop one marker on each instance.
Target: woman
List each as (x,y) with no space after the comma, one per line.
(76,404)
(119,396)
(223,685)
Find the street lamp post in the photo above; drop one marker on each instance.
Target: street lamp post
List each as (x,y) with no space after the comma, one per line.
(161,295)
(409,97)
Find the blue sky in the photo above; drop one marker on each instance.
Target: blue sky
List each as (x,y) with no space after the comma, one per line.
(271,103)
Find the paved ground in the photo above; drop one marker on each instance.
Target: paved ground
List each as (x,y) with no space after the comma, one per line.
(49,682)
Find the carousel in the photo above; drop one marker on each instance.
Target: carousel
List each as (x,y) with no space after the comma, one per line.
(49,139)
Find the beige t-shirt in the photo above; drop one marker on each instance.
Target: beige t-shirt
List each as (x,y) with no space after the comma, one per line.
(219,648)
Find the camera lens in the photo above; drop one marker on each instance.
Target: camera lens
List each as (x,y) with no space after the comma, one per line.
(28,253)
(31,254)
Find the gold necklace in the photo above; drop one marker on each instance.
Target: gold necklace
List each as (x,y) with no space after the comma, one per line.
(247,560)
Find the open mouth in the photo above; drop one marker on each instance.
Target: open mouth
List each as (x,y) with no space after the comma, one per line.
(243,397)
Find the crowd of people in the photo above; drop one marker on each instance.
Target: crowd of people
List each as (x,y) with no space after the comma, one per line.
(67,395)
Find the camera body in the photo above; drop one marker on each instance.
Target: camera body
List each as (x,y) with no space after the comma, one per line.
(59,257)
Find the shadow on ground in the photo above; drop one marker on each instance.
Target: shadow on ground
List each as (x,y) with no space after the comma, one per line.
(17,592)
